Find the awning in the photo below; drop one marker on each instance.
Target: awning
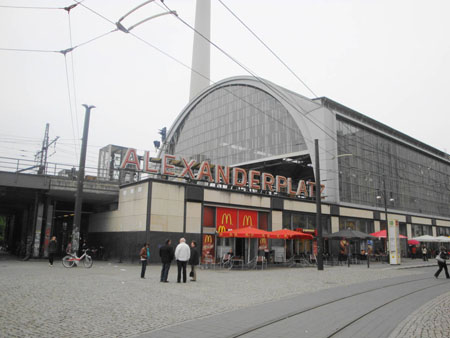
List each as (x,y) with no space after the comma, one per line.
(246,232)
(426,238)
(382,234)
(289,234)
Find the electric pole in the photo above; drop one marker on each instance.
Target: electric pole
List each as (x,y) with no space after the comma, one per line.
(44,151)
(80,180)
(318,211)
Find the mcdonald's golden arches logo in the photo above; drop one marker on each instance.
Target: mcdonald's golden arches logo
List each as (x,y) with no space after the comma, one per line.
(262,241)
(226,219)
(247,221)
(221,229)
(208,239)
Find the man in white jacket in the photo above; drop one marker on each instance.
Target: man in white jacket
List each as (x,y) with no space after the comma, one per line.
(182,255)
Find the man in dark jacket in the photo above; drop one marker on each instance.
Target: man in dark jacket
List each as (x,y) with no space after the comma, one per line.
(441,258)
(166,254)
(193,261)
(52,248)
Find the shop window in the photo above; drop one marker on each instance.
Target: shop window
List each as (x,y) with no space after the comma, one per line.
(208,217)
(263,220)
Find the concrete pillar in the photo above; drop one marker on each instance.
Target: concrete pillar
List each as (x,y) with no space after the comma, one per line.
(334,224)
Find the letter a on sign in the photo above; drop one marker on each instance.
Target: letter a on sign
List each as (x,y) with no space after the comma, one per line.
(130,158)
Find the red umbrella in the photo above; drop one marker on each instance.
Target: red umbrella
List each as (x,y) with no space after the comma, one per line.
(382,234)
(413,242)
(247,232)
(288,234)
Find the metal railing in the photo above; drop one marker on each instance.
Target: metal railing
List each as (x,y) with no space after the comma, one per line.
(18,165)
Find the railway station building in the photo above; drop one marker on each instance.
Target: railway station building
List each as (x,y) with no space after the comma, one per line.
(242,153)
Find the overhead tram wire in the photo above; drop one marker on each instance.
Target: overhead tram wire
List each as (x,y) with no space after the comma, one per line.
(186,66)
(268,48)
(294,106)
(31,7)
(259,79)
(205,77)
(68,9)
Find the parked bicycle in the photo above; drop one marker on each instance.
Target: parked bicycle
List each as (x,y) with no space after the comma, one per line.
(72,260)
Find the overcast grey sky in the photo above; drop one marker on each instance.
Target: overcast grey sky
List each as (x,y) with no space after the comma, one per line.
(388,59)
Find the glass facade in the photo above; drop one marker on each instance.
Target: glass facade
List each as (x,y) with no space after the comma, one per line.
(294,220)
(358,224)
(414,180)
(235,124)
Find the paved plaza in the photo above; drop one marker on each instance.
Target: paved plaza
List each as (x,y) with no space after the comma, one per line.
(111,300)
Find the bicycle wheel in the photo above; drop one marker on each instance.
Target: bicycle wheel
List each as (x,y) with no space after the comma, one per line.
(88,261)
(68,262)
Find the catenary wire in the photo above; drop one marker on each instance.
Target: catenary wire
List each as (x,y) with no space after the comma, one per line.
(268,48)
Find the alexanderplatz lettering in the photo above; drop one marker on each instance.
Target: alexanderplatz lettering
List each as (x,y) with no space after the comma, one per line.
(222,174)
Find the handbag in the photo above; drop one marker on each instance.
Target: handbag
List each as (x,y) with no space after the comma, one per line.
(440,259)
(191,274)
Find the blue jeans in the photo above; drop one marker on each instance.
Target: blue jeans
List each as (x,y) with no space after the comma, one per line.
(165,271)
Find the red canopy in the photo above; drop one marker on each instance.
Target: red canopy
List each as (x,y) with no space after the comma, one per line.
(382,234)
(245,233)
(413,242)
(288,234)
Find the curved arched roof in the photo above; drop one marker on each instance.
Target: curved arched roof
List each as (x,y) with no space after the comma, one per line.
(282,110)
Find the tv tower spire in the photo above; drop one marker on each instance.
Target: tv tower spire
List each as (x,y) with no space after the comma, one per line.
(200,73)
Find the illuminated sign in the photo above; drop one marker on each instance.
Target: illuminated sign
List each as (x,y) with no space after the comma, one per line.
(248,218)
(226,219)
(219,174)
(247,222)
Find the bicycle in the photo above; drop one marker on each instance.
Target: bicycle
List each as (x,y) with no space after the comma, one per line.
(72,260)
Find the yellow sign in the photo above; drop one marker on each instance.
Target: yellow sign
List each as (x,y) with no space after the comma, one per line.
(247,221)
(226,219)
(208,239)
(221,229)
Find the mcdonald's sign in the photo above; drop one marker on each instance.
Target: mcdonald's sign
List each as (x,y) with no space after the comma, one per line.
(207,239)
(226,219)
(221,228)
(263,244)
(248,218)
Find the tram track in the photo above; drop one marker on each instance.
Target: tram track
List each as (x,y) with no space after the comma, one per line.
(340,329)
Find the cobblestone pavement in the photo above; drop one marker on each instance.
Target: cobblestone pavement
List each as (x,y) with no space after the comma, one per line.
(111,300)
(432,320)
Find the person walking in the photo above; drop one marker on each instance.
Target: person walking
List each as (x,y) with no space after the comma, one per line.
(144,255)
(424,253)
(413,252)
(52,248)
(193,261)
(441,258)
(166,253)
(182,255)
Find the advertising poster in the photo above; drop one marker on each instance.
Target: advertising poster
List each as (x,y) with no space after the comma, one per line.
(226,219)
(394,242)
(208,249)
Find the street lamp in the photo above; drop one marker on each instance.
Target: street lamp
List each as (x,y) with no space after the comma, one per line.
(383,195)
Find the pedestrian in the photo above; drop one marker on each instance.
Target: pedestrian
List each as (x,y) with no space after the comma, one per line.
(424,253)
(441,258)
(69,247)
(52,248)
(413,252)
(166,253)
(144,254)
(182,255)
(193,261)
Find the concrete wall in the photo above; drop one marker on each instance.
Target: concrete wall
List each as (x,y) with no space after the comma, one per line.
(131,214)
